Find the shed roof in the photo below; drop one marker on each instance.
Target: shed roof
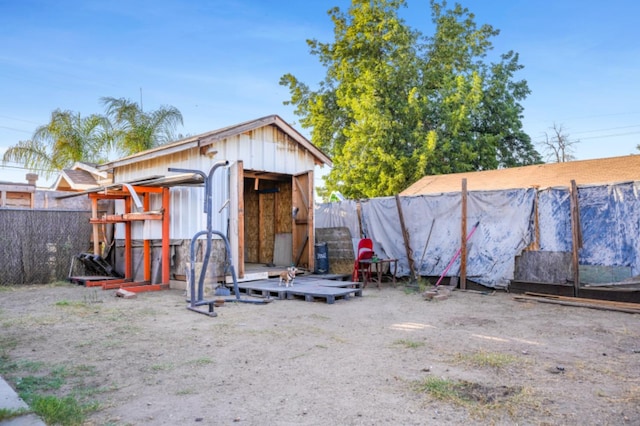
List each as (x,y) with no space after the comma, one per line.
(205,139)
(584,172)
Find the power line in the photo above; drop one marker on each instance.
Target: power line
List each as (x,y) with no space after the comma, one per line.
(14,129)
(18,119)
(6,166)
(601,136)
(611,136)
(607,130)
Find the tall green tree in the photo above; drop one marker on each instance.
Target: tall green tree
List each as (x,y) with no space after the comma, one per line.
(136,130)
(395,105)
(67,138)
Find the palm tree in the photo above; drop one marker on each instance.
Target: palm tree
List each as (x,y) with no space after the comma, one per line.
(67,138)
(136,130)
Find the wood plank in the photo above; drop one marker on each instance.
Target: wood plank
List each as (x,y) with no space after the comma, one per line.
(585,300)
(576,240)
(577,304)
(463,233)
(405,237)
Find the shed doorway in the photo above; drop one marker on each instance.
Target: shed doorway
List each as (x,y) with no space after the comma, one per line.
(273,219)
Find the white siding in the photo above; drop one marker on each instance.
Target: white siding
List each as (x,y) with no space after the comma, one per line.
(265,149)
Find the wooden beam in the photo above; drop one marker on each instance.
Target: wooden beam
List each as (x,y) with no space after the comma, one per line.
(359,213)
(146,245)
(576,240)
(303,193)
(631,308)
(240,192)
(405,237)
(96,231)
(17,188)
(128,251)
(463,234)
(166,237)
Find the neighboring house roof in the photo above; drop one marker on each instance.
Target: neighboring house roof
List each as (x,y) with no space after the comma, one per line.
(80,177)
(584,172)
(205,139)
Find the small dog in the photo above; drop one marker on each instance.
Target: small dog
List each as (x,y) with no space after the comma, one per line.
(288,276)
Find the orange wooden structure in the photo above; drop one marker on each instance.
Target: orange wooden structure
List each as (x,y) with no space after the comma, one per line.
(131,193)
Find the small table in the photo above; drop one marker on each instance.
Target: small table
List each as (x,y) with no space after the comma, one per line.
(378,264)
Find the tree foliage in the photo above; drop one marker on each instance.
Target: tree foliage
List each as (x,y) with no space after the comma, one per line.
(136,130)
(395,105)
(67,138)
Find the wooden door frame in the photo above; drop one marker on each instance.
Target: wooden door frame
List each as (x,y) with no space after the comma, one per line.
(236,216)
(302,223)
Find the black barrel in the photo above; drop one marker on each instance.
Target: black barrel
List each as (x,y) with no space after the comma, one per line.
(322,258)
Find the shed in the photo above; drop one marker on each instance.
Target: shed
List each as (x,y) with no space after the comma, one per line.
(263,201)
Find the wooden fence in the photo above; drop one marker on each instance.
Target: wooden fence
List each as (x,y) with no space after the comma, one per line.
(37,246)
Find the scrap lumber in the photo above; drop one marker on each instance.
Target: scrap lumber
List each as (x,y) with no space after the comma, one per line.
(605,305)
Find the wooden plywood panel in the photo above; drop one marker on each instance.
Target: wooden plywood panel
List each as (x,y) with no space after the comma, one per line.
(267,226)
(251,223)
(283,208)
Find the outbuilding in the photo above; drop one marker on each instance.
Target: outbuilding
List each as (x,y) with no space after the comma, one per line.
(263,198)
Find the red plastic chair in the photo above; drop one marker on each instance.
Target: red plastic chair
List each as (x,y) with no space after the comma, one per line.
(364,252)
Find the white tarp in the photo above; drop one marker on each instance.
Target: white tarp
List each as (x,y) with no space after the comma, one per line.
(433,223)
(609,218)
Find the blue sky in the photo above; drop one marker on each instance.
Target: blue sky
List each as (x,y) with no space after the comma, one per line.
(219,62)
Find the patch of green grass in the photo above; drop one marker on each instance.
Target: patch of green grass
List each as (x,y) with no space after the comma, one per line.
(409,344)
(37,390)
(442,389)
(319,317)
(8,414)
(8,343)
(31,385)
(162,367)
(186,392)
(201,361)
(488,359)
(470,394)
(418,286)
(66,411)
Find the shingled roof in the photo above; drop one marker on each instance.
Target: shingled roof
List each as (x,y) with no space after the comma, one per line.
(80,177)
(584,172)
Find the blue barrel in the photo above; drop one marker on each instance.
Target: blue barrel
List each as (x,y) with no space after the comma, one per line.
(322,258)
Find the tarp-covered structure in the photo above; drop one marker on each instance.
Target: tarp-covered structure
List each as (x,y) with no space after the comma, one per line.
(508,222)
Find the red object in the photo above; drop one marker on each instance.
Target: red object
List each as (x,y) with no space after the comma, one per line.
(364,252)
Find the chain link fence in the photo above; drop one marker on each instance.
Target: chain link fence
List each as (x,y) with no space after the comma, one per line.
(36,246)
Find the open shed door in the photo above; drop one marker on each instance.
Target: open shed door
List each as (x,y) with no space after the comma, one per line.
(302,220)
(236,216)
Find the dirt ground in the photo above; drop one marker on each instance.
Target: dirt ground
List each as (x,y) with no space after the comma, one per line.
(362,361)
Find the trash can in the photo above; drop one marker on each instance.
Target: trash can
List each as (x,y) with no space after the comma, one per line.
(322,258)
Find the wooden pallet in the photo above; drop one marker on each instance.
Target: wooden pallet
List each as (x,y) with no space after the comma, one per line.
(312,293)
(355,286)
(308,288)
(263,288)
